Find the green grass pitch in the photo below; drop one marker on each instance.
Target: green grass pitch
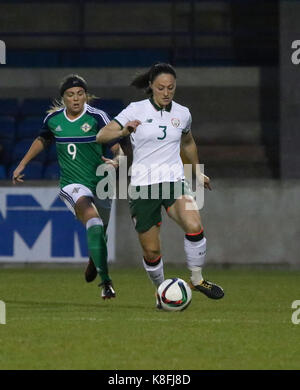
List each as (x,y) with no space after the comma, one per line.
(55,320)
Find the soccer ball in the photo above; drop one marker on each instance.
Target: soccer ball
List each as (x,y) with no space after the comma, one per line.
(174,294)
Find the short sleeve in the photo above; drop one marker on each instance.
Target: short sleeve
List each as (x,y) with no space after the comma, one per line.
(126,115)
(188,126)
(45,131)
(102,118)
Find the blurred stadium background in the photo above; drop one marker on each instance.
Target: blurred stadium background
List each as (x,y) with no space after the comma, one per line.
(235,73)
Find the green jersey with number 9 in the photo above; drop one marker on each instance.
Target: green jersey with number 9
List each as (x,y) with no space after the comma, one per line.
(78,153)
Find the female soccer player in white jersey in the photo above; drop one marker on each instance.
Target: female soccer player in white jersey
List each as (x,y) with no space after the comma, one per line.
(73,125)
(160,135)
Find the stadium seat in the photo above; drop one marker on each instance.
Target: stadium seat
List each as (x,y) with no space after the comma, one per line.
(7,148)
(51,154)
(2,172)
(9,107)
(113,57)
(29,128)
(33,170)
(52,171)
(111,106)
(41,156)
(20,148)
(34,58)
(7,127)
(37,107)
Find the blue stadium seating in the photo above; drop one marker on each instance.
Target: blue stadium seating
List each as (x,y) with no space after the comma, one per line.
(35,107)
(2,172)
(113,57)
(6,155)
(52,171)
(29,127)
(111,106)
(33,171)
(42,157)
(33,58)
(7,127)
(87,57)
(9,107)
(51,155)
(19,149)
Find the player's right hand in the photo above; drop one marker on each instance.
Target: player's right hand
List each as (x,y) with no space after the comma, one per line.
(17,176)
(130,127)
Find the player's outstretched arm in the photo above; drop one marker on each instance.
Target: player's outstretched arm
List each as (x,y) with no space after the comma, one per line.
(37,146)
(113,130)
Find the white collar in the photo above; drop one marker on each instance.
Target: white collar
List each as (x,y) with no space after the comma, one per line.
(73,120)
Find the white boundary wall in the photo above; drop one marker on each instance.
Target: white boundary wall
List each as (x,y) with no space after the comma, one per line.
(36,226)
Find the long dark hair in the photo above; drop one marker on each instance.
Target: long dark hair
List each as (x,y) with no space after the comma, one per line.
(141,81)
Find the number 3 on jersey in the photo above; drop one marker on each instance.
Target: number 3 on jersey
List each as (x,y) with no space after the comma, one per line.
(164,129)
(72,150)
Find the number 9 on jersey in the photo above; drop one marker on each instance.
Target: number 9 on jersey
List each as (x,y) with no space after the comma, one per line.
(72,150)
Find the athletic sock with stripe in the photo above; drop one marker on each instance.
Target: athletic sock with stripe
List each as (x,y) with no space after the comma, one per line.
(155,270)
(195,250)
(97,247)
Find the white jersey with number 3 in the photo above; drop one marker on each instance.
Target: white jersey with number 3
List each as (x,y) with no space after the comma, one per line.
(156,142)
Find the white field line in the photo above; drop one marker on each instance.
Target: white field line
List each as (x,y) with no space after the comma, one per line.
(156,319)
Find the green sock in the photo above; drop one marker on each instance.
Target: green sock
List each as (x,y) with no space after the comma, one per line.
(98,250)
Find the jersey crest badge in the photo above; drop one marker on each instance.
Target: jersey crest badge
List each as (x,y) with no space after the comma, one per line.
(175,122)
(86,127)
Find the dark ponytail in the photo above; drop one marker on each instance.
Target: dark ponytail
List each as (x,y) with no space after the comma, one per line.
(141,81)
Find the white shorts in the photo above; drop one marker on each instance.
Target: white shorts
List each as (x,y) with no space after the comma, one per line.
(72,192)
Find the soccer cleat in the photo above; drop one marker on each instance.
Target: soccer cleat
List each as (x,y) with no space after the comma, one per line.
(107,290)
(158,303)
(90,271)
(211,290)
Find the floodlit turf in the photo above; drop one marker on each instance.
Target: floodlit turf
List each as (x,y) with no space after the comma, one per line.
(55,320)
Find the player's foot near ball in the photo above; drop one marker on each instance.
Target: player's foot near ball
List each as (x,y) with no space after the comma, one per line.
(158,303)
(107,290)
(210,289)
(90,271)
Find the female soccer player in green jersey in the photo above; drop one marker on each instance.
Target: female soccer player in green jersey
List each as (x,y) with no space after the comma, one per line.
(161,138)
(73,125)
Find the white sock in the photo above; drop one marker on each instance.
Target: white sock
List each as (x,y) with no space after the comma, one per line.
(155,273)
(93,222)
(196,275)
(195,255)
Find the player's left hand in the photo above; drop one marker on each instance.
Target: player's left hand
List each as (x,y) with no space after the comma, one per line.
(206,182)
(108,161)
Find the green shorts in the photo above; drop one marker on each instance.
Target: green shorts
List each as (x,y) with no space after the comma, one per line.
(145,202)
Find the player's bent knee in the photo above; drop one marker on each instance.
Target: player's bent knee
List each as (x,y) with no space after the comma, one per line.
(151,255)
(194,227)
